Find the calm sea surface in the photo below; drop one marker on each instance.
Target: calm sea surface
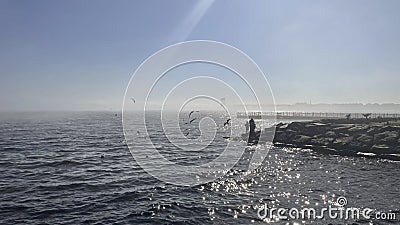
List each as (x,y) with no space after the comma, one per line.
(51,171)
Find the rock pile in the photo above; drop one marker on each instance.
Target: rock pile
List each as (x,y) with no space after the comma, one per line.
(340,136)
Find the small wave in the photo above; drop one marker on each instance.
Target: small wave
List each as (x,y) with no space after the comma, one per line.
(125,196)
(72,186)
(66,162)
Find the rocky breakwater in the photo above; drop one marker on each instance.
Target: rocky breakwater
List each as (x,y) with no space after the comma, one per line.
(373,138)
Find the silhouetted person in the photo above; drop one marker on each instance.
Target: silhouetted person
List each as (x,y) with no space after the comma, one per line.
(252,127)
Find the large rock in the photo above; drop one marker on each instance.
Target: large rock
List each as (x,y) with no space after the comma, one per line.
(384,149)
(301,140)
(342,128)
(281,126)
(357,146)
(389,128)
(365,139)
(372,130)
(386,137)
(331,134)
(315,129)
(342,142)
(359,128)
(284,136)
(361,142)
(343,135)
(296,126)
(322,141)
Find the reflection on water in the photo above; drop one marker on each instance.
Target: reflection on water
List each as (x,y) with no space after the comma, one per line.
(52,172)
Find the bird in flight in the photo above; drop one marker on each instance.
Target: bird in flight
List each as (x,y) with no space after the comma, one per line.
(133,100)
(227,122)
(192,120)
(366,115)
(192,112)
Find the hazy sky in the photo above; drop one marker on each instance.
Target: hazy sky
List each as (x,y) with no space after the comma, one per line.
(79,55)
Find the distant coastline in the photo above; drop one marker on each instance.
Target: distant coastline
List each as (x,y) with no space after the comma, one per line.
(329,108)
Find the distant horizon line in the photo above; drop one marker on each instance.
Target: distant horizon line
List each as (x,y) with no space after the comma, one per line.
(298,104)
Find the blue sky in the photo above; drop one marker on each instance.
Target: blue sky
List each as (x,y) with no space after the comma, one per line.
(79,55)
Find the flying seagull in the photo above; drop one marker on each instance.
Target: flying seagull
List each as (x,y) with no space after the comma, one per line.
(227,122)
(366,115)
(134,101)
(192,112)
(192,120)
